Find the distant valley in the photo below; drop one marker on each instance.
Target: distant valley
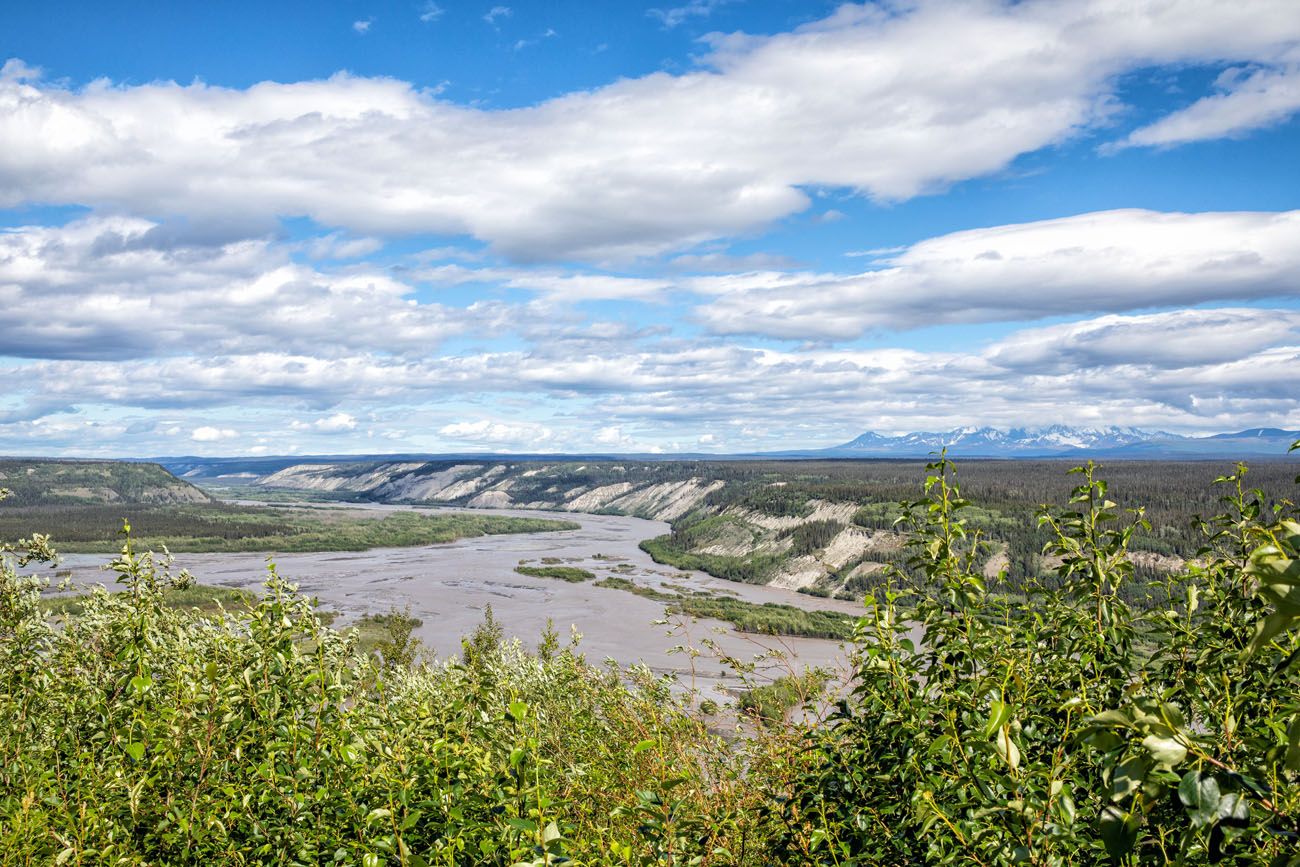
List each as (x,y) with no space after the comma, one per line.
(824,527)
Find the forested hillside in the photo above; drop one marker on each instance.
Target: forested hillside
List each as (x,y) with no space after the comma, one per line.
(84,483)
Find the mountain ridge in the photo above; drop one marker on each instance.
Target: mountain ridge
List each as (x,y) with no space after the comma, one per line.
(1065,441)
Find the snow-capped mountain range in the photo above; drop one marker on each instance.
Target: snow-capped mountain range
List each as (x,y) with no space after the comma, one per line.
(1064,441)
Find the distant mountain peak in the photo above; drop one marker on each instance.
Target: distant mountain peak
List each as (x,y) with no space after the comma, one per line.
(1049,439)
(1061,440)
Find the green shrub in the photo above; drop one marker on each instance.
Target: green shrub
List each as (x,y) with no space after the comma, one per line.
(1074,729)
(140,733)
(572,574)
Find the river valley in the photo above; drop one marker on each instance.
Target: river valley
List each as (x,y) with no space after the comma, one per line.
(449,586)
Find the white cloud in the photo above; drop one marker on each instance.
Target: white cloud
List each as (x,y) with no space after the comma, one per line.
(871,99)
(525,435)
(112,287)
(1214,369)
(208,434)
(431,12)
(339,422)
(1246,101)
(676,15)
(1171,340)
(337,246)
(1099,262)
(497,12)
(612,435)
(363,27)
(558,285)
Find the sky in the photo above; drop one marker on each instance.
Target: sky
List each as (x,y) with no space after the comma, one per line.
(724,226)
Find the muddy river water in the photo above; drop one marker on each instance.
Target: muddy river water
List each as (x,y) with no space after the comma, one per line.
(449,586)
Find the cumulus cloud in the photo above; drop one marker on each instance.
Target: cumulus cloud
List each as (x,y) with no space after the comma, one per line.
(114,287)
(339,422)
(1098,262)
(1247,100)
(524,435)
(871,99)
(612,435)
(1165,341)
(207,434)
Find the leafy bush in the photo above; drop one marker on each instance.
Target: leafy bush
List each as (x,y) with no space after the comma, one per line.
(1070,730)
(771,702)
(138,733)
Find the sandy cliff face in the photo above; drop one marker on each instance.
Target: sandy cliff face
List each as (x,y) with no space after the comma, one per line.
(481,485)
(636,490)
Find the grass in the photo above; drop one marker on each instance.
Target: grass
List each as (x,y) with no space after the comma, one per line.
(614,582)
(767,618)
(754,569)
(772,701)
(764,618)
(204,598)
(228,529)
(572,574)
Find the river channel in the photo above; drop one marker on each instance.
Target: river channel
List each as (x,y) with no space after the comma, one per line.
(449,586)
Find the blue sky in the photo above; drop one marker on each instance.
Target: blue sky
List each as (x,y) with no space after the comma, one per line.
(718,226)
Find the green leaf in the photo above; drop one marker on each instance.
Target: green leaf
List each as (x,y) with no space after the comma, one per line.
(1118,832)
(1292,760)
(999,715)
(643,746)
(135,751)
(1007,749)
(1232,809)
(550,832)
(1128,777)
(1200,795)
(141,683)
(1112,718)
(518,711)
(1267,629)
(1165,751)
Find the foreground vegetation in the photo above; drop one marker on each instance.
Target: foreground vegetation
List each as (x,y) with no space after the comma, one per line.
(230,528)
(1075,729)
